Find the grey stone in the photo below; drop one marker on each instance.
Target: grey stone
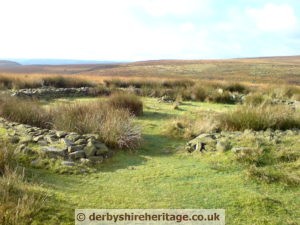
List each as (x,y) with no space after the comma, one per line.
(73,137)
(74,148)
(95,148)
(66,142)
(38,138)
(67,163)
(80,142)
(90,150)
(77,155)
(85,161)
(61,134)
(53,152)
(51,138)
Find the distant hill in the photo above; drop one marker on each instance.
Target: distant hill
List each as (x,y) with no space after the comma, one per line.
(279,69)
(60,62)
(6,63)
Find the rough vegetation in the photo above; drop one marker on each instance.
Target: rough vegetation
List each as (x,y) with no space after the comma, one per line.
(114,125)
(241,139)
(16,82)
(19,201)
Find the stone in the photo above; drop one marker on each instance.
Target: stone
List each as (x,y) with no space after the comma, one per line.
(90,150)
(85,161)
(91,136)
(75,148)
(73,137)
(77,155)
(21,127)
(96,148)
(66,142)
(53,152)
(80,142)
(67,163)
(203,142)
(38,138)
(61,134)
(50,138)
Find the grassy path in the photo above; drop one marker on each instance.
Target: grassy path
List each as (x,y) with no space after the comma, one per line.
(162,175)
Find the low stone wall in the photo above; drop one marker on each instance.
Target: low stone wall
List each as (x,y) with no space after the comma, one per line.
(70,147)
(225,141)
(49,92)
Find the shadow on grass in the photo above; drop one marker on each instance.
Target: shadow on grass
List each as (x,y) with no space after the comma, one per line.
(152,115)
(152,146)
(50,211)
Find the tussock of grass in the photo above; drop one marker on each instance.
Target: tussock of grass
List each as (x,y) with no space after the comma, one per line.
(21,82)
(139,83)
(115,127)
(237,87)
(187,128)
(24,111)
(284,92)
(268,163)
(18,202)
(254,99)
(260,118)
(224,97)
(64,82)
(126,101)
(114,124)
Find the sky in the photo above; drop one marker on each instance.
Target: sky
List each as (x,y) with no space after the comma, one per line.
(132,30)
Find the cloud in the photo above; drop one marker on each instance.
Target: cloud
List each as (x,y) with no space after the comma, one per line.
(274,18)
(144,29)
(158,8)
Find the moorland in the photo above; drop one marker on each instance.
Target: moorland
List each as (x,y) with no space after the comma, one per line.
(154,134)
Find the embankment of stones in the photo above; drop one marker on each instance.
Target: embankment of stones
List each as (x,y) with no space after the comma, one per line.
(49,92)
(226,141)
(70,147)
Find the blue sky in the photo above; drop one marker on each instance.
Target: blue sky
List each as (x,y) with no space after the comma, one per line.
(148,29)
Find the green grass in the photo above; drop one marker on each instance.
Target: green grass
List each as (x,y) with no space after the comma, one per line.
(161,174)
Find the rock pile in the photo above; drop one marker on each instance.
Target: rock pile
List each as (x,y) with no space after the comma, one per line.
(224,141)
(292,103)
(166,99)
(50,92)
(56,144)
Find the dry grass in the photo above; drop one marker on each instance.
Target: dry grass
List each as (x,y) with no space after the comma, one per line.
(115,127)
(114,124)
(127,101)
(187,128)
(260,118)
(18,202)
(25,111)
(36,81)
